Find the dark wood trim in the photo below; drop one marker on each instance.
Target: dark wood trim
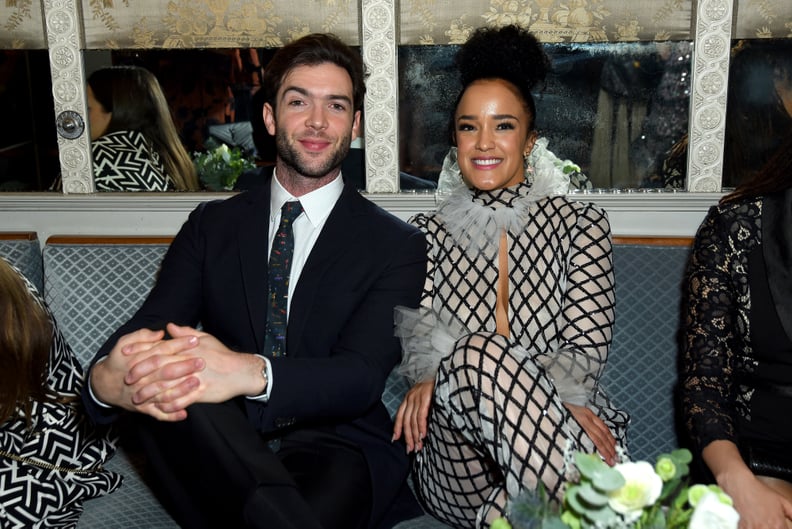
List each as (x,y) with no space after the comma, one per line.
(654,241)
(18,235)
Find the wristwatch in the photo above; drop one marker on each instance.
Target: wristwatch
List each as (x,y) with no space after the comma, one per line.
(266,382)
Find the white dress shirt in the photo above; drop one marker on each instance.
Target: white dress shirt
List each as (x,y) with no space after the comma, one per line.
(317,206)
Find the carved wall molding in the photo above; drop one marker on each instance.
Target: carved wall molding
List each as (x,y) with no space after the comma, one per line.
(65,41)
(381,129)
(710,79)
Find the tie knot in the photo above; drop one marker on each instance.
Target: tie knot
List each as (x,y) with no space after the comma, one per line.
(291,210)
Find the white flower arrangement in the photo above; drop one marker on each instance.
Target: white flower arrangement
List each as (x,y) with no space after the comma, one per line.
(630,495)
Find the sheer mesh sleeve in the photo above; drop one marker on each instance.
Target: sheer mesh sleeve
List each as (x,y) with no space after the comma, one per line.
(588,312)
(424,338)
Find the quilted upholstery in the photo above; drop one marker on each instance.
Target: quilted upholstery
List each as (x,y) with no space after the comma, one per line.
(92,288)
(642,370)
(25,254)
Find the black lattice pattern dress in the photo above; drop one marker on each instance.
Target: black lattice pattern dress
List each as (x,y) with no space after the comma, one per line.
(497,424)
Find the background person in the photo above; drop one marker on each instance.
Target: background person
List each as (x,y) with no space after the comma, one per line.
(737,344)
(50,457)
(134,141)
(517,312)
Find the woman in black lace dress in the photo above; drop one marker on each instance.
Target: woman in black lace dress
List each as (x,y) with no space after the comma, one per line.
(516,318)
(737,368)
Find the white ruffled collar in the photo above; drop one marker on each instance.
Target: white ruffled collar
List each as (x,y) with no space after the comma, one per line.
(475,219)
(548,174)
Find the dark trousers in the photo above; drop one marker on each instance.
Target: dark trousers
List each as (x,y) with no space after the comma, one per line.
(214,470)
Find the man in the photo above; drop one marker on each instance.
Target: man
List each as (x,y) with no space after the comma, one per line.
(246,427)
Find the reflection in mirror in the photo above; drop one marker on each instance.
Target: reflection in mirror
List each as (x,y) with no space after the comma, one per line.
(758,110)
(28,141)
(615,109)
(759,107)
(134,141)
(215,102)
(206,96)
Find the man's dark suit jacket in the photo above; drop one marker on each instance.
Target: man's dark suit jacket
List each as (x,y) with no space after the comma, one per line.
(340,347)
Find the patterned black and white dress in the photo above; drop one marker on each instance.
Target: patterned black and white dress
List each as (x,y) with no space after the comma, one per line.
(497,424)
(48,470)
(125,161)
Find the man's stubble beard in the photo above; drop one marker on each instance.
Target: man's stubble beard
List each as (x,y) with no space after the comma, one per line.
(297,162)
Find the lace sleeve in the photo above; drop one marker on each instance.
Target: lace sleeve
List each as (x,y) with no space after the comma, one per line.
(709,335)
(588,312)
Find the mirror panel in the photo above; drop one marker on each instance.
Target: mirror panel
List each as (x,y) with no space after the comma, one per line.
(28,146)
(225,23)
(615,109)
(759,105)
(28,141)
(203,87)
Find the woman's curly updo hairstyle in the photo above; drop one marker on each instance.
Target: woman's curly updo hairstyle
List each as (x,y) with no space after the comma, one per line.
(510,53)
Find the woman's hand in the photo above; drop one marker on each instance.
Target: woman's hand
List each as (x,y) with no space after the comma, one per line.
(412,417)
(597,430)
(760,505)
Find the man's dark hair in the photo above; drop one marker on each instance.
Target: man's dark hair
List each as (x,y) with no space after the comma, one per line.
(313,50)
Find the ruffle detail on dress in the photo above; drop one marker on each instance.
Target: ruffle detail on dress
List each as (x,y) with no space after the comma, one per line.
(425,340)
(546,171)
(559,369)
(475,227)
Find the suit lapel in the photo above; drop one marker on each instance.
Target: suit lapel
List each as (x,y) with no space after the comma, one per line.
(252,238)
(339,231)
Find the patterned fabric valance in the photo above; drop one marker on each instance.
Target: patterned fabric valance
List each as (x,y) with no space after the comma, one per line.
(134,24)
(214,23)
(21,25)
(452,21)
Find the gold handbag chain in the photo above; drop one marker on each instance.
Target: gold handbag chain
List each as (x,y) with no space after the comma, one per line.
(49,466)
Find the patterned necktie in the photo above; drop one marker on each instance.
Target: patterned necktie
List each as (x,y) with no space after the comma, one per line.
(279,268)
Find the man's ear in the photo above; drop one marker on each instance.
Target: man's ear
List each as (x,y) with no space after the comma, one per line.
(269,118)
(356,126)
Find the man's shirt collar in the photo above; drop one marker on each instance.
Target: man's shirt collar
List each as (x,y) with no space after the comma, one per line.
(317,204)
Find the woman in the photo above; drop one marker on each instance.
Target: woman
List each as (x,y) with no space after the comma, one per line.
(515,323)
(50,459)
(134,141)
(737,368)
